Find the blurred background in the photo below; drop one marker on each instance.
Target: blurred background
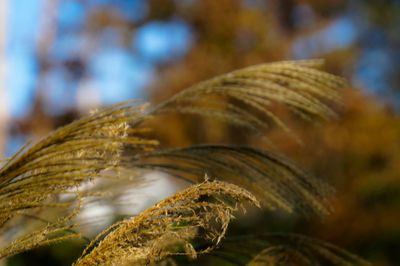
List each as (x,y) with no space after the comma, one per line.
(60,59)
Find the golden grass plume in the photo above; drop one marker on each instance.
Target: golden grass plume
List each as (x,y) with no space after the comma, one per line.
(201,211)
(48,174)
(297,85)
(282,249)
(276,181)
(293,249)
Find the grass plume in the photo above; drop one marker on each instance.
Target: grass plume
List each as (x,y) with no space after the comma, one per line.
(48,175)
(274,179)
(292,249)
(297,85)
(201,211)
(284,249)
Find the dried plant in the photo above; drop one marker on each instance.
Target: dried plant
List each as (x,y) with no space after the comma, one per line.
(282,249)
(46,235)
(202,211)
(296,85)
(47,175)
(45,179)
(290,249)
(275,181)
